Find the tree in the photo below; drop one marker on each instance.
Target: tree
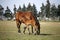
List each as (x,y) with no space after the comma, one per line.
(42,10)
(19,9)
(34,10)
(58,13)
(53,11)
(48,9)
(29,8)
(24,8)
(58,10)
(15,9)
(8,13)
(1,10)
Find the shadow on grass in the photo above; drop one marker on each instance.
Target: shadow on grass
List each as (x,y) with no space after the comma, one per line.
(46,34)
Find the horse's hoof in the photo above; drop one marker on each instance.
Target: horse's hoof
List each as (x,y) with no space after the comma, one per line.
(29,33)
(38,34)
(34,33)
(19,31)
(23,32)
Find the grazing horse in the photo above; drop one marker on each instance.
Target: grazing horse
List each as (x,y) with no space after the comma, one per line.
(28,19)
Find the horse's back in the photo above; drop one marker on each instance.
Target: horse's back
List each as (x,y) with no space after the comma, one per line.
(25,16)
(18,15)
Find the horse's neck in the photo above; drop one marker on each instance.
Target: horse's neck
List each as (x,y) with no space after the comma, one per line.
(37,22)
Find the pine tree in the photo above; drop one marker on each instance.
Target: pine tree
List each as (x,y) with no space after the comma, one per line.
(19,9)
(8,13)
(42,10)
(29,8)
(58,13)
(39,14)
(53,11)
(34,10)
(1,10)
(24,8)
(15,9)
(58,10)
(48,9)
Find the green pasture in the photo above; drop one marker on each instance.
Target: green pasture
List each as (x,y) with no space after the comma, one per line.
(48,31)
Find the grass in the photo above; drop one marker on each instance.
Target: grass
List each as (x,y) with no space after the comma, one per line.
(49,31)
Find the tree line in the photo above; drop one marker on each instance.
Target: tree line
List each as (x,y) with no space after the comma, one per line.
(47,11)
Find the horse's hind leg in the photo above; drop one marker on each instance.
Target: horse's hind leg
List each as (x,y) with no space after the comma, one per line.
(32,29)
(24,30)
(29,30)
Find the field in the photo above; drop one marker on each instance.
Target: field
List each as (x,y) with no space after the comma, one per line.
(49,31)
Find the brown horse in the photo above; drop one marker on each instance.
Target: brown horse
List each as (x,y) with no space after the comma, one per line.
(28,19)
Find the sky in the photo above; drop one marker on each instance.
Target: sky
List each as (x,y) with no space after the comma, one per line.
(38,3)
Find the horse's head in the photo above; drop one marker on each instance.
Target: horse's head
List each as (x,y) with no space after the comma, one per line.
(38,27)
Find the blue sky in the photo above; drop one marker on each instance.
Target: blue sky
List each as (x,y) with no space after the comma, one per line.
(38,3)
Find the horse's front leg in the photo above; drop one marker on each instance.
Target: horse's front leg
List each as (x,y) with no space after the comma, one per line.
(18,26)
(35,30)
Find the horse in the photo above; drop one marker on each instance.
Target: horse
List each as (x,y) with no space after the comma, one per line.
(27,18)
